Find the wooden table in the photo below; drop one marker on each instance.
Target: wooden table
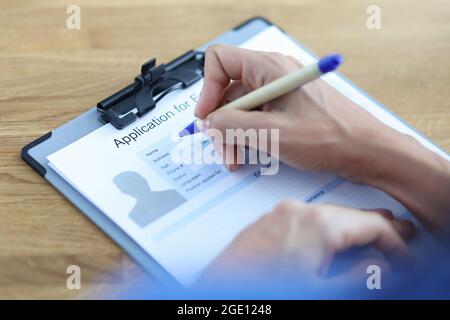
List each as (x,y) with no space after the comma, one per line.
(49,74)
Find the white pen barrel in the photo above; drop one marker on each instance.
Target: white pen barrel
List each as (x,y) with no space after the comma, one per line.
(276,88)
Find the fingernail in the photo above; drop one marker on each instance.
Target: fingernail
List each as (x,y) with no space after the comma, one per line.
(205,124)
(202,125)
(199,124)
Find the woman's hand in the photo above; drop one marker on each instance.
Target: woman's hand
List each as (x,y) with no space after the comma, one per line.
(301,240)
(320,129)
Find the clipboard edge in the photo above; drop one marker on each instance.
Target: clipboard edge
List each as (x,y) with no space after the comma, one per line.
(250,20)
(29,159)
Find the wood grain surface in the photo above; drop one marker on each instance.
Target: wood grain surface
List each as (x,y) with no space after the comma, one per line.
(49,75)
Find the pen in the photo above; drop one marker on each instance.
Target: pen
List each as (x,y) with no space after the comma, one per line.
(276,88)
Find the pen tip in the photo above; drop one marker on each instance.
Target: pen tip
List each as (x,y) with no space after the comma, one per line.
(190,129)
(330,63)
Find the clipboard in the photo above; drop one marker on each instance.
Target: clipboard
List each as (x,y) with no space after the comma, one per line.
(35,153)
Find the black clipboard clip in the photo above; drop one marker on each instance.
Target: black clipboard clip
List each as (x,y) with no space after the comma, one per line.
(148,88)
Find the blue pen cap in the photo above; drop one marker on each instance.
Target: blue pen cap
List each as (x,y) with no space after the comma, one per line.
(330,63)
